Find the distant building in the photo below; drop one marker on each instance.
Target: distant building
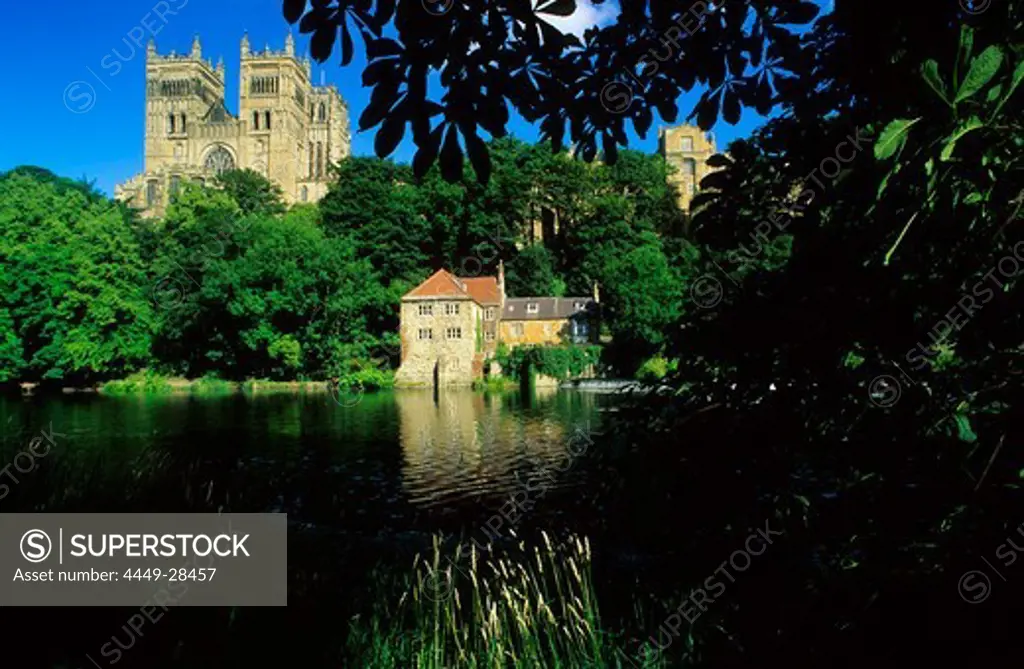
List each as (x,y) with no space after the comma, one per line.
(288,129)
(450,326)
(687,149)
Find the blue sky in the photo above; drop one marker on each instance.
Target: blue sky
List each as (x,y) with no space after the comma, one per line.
(62,45)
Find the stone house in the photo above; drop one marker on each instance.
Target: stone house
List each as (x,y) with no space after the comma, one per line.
(450,326)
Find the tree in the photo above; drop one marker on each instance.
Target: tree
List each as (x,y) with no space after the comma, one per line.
(533,273)
(253,192)
(501,54)
(74,306)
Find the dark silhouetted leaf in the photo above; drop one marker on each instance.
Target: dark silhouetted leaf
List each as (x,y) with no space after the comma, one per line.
(427,152)
(479,156)
(293,10)
(322,42)
(390,134)
(451,156)
(558,7)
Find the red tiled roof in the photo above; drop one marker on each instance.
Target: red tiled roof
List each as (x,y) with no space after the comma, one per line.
(483,289)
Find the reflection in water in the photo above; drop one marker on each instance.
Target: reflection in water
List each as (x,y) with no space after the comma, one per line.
(464,445)
(373,465)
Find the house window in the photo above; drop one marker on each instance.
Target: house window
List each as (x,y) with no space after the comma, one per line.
(170,123)
(489,336)
(266,118)
(427,333)
(255,120)
(305,193)
(319,159)
(686,143)
(453,333)
(689,167)
(323,112)
(489,313)
(517,329)
(451,309)
(580,329)
(150,193)
(532,307)
(175,184)
(183,123)
(426,310)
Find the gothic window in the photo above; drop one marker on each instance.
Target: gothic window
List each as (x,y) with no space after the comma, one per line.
(689,167)
(323,112)
(305,194)
(150,193)
(183,123)
(311,160)
(175,184)
(266,118)
(219,160)
(170,124)
(255,120)
(319,159)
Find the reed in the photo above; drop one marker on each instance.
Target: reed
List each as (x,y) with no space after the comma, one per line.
(472,607)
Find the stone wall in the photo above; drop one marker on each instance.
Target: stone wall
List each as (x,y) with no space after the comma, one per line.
(457,359)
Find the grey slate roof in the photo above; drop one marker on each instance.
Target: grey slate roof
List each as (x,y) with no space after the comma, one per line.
(548,308)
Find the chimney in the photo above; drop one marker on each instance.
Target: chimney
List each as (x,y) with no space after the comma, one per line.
(501,281)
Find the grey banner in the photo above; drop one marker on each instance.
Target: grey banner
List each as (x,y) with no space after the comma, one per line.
(143,559)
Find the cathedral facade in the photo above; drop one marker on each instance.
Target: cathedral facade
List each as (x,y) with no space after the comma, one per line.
(287,128)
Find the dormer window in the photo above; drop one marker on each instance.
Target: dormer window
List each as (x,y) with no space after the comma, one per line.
(532,308)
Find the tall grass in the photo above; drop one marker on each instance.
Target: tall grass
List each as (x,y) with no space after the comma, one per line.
(476,609)
(143,382)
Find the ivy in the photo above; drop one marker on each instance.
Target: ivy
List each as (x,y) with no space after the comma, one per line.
(560,362)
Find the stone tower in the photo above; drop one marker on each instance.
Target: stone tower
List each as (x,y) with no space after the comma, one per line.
(687,149)
(287,129)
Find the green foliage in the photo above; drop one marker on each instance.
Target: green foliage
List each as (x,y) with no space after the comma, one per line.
(74,305)
(532,273)
(143,382)
(369,379)
(560,362)
(252,192)
(655,369)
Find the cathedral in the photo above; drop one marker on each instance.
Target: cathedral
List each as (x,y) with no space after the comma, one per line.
(287,128)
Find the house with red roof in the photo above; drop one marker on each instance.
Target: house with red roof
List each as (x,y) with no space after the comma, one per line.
(451,325)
